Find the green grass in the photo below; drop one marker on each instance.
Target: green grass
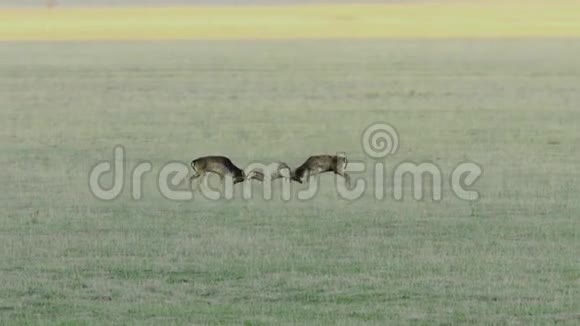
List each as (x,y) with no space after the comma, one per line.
(511,258)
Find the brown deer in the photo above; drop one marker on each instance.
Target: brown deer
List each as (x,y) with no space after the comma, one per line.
(319,164)
(221,166)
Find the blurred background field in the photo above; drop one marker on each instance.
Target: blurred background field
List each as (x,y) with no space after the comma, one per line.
(504,93)
(511,257)
(423,19)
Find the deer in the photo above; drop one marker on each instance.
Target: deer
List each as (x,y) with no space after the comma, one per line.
(223,167)
(317,164)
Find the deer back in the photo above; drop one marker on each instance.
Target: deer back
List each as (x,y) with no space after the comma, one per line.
(216,163)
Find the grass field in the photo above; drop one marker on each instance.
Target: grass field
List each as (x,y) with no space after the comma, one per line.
(510,258)
(434,19)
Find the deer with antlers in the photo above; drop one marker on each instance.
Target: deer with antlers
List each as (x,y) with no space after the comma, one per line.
(319,164)
(223,167)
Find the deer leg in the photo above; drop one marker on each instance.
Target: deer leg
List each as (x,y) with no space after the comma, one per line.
(345,176)
(346,179)
(340,171)
(219,173)
(192,178)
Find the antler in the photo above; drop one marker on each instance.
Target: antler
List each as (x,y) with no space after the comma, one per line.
(256,175)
